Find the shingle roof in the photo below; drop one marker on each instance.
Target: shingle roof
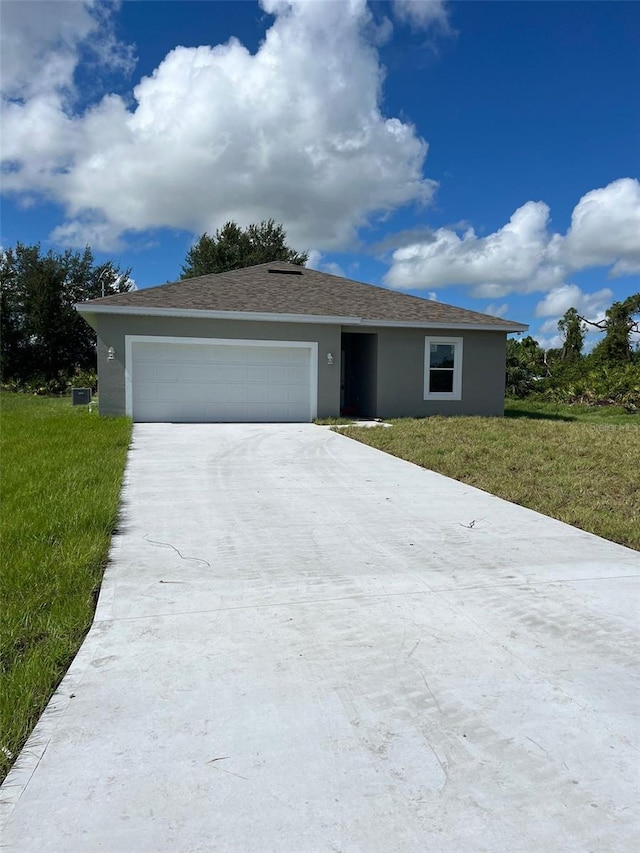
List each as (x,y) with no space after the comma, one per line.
(284,288)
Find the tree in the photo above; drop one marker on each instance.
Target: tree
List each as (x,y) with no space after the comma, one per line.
(609,375)
(232,248)
(618,323)
(572,329)
(42,335)
(525,366)
(520,380)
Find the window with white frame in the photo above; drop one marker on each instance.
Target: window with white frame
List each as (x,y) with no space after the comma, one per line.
(443,368)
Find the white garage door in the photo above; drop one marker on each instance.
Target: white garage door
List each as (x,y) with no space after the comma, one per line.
(230,381)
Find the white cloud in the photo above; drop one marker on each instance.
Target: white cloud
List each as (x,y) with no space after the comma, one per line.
(497,310)
(550,326)
(87,232)
(50,36)
(605,229)
(591,306)
(525,256)
(560,299)
(334,269)
(315,262)
(491,263)
(547,340)
(42,35)
(423,14)
(293,132)
(549,337)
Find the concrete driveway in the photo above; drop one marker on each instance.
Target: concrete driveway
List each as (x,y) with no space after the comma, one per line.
(303,644)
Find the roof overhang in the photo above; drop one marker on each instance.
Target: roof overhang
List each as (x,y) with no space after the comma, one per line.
(507,326)
(92,312)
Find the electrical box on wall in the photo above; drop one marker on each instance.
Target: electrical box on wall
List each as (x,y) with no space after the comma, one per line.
(80,396)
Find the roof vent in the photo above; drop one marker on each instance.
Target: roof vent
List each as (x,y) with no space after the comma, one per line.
(286,272)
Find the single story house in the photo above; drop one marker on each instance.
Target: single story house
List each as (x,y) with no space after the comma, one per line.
(280,342)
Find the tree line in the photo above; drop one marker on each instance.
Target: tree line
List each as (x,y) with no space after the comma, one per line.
(609,374)
(46,346)
(44,343)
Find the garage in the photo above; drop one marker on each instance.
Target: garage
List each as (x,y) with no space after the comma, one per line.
(197,380)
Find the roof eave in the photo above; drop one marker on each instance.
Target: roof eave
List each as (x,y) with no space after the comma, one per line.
(86,310)
(90,311)
(507,326)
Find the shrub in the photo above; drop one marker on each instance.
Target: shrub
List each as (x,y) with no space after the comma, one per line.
(595,384)
(84,379)
(55,387)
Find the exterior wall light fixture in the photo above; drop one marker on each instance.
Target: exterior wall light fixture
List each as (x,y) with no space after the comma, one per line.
(329,358)
(111,353)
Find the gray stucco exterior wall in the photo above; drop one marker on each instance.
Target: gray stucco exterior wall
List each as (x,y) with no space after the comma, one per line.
(112,331)
(399,357)
(401,373)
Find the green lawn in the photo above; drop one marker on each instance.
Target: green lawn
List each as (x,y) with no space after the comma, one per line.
(577,464)
(542,410)
(61,475)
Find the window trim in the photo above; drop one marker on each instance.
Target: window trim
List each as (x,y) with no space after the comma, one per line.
(456,393)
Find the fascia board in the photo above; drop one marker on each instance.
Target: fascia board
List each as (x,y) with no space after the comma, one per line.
(481,327)
(89,311)
(125,310)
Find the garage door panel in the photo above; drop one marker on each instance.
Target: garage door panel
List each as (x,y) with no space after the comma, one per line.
(146,392)
(236,393)
(278,375)
(216,372)
(145,371)
(298,395)
(297,376)
(235,373)
(297,413)
(232,355)
(257,373)
(172,392)
(279,356)
(186,382)
(270,356)
(278,394)
(179,373)
(146,352)
(175,354)
(200,373)
(217,394)
(227,412)
(224,373)
(163,411)
(265,412)
(258,393)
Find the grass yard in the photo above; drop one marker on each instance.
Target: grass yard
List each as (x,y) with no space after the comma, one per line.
(541,410)
(574,463)
(62,470)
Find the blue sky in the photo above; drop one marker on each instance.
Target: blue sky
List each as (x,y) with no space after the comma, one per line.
(482,154)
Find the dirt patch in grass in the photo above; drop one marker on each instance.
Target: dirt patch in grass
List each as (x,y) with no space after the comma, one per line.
(62,471)
(583,473)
